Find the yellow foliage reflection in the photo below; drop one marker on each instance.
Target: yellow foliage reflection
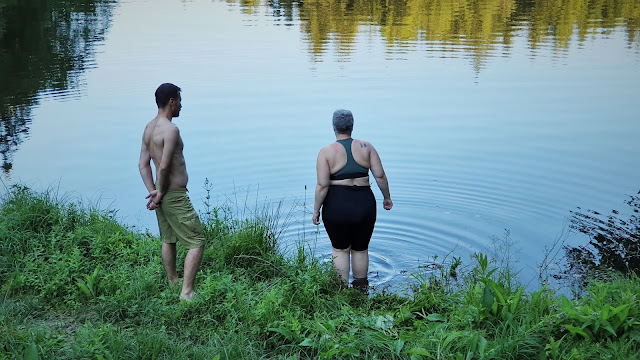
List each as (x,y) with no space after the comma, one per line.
(475,27)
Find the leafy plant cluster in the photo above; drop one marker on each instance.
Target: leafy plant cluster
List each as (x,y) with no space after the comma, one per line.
(75,284)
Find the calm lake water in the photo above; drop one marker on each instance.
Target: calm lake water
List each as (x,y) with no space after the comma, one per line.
(488,115)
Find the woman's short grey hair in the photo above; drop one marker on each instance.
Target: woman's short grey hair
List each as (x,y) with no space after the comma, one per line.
(342,121)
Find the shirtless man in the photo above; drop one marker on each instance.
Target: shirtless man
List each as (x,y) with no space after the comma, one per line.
(177,220)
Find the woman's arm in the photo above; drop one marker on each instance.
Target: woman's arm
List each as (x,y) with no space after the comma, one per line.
(381,178)
(323,173)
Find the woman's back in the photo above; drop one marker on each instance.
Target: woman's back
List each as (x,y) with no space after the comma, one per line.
(346,169)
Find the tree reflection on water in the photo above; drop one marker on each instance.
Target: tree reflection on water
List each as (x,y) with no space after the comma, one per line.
(471,27)
(44,46)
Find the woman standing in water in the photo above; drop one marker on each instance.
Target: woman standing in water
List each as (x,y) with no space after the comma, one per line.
(344,194)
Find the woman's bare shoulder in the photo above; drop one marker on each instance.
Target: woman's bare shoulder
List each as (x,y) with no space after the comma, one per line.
(327,150)
(332,147)
(363,143)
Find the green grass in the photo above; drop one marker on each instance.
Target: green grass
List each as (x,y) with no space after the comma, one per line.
(76,284)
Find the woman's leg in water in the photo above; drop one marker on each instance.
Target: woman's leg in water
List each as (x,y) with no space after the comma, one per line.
(360,263)
(360,268)
(341,262)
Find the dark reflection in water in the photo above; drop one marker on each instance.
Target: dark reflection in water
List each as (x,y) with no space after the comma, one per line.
(44,46)
(474,28)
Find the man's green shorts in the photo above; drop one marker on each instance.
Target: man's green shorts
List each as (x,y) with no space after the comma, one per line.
(178,221)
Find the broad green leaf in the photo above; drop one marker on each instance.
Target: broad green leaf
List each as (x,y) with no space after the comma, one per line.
(635,336)
(487,298)
(621,311)
(418,351)
(604,313)
(397,346)
(436,317)
(535,296)
(482,345)
(576,330)
(31,353)
(331,326)
(586,310)
(405,314)
(83,288)
(609,328)
(516,300)
(308,342)
(322,328)
(450,338)
(567,306)
(284,332)
(349,350)
(497,291)
(384,322)
(95,272)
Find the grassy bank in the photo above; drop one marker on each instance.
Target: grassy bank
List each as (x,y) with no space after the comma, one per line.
(77,284)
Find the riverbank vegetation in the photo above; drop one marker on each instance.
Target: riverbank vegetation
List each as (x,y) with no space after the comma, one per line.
(77,284)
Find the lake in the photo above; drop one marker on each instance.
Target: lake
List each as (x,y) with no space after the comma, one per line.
(493,119)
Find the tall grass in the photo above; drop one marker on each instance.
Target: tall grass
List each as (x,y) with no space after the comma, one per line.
(76,284)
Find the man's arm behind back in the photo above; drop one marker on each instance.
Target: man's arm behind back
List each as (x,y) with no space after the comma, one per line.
(144,163)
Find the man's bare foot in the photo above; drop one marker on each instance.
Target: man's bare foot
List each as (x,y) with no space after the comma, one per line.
(187,297)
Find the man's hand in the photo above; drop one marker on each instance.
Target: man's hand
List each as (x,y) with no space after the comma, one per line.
(387,204)
(155,197)
(316,218)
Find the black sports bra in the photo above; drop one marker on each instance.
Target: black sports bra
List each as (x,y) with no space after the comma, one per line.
(351,169)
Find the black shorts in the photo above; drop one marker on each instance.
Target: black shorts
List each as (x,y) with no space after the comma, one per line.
(349,215)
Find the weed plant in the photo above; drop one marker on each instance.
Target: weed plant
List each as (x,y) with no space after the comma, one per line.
(76,284)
